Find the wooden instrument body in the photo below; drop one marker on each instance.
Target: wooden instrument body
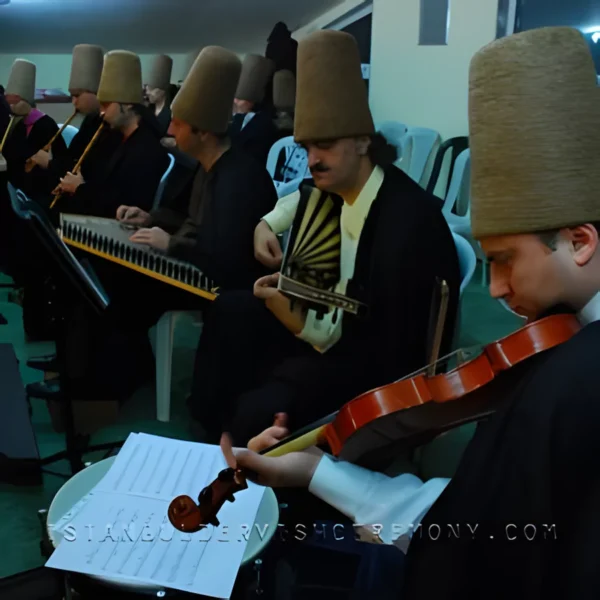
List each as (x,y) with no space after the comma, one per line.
(82,158)
(109,239)
(416,409)
(310,268)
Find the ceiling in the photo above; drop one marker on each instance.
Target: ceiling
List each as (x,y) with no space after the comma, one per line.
(148,26)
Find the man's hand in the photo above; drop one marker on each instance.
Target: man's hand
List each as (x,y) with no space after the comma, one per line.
(266,287)
(292,470)
(267,249)
(69,183)
(155,237)
(133,215)
(270,437)
(42,159)
(168,142)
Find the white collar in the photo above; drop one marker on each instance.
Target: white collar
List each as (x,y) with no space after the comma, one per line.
(590,312)
(354,215)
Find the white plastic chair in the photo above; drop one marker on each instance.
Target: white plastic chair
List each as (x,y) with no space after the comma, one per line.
(395,133)
(459,194)
(467,260)
(296,160)
(163,353)
(160,190)
(419,149)
(69,132)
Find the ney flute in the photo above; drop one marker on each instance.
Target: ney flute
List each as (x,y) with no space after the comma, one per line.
(77,167)
(30,164)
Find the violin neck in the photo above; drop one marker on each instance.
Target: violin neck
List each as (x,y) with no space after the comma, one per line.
(301,440)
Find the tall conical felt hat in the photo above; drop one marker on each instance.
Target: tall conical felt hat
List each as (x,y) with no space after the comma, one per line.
(256,72)
(284,91)
(22,80)
(86,68)
(160,76)
(206,96)
(534,134)
(331,98)
(121,79)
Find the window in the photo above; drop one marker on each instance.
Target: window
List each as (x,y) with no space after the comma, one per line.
(434,23)
(359,23)
(581,14)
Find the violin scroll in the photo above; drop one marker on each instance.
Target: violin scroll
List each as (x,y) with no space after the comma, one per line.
(187,516)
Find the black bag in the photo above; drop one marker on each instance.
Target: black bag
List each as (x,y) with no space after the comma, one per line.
(37,584)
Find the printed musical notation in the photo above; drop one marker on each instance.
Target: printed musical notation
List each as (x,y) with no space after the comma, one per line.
(120,530)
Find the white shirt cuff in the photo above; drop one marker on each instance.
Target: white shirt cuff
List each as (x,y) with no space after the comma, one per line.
(281,218)
(322,333)
(393,506)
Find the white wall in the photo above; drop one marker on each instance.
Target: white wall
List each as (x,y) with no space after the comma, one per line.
(426,86)
(53,70)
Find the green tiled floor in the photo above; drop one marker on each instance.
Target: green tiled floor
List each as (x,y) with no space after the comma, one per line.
(482,320)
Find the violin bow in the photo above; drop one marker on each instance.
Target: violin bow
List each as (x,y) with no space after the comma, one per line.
(440,322)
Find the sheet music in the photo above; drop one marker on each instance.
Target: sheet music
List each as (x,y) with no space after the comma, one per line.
(121,530)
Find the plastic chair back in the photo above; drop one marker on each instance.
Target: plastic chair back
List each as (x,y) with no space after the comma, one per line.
(160,190)
(423,150)
(69,132)
(454,147)
(295,160)
(18,202)
(459,191)
(394,132)
(467,260)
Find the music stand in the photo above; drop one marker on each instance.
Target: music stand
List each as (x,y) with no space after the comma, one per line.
(72,283)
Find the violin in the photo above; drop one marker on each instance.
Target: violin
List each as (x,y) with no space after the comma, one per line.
(377,425)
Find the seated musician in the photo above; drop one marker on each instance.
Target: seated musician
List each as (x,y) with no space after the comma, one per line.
(158,90)
(252,128)
(524,498)
(137,165)
(86,70)
(30,131)
(259,355)
(229,193)
(284,100)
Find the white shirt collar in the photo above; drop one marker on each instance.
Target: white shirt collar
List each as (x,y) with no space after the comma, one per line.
(590,312)
(354,215)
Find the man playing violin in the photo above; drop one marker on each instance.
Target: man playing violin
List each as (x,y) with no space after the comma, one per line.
(520,517)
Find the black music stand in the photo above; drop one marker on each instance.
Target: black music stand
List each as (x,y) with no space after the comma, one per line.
(71,284)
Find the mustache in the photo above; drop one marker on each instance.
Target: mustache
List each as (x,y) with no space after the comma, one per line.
(320,168)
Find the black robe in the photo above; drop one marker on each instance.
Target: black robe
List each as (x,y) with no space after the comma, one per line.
(20,146)
(163,118)
(257,137)
(528,485)
(250,367)
(225,206)
(95,161)
(130,177)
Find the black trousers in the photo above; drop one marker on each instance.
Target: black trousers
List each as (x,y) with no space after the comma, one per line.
(110,354)
(250,367)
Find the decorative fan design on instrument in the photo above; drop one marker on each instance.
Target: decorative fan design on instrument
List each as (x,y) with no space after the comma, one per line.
(314,250)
